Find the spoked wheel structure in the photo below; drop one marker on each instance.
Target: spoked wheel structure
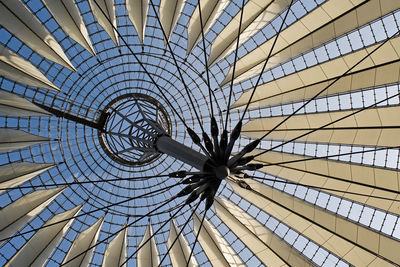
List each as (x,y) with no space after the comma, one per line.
(199,133)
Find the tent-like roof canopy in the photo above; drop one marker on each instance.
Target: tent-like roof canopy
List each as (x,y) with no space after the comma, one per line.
(88,87)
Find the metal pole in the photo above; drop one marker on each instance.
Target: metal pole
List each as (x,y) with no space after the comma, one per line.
(181,152)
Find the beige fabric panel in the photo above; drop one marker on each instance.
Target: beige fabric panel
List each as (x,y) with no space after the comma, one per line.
(16,215)
(180,252)
(137,11)
(14,105)
(268,247)
(15,111)
(18,19)
(336,133)
(68,16)
(85,240)
(170,11)
(39,248)
(14,174)
(210,11)
(16,68)
(11,139)
(298,172)
(321,25)
(147,256)
(382,67)
(108,8)
(256,14)
(321,75)
(218,251)
(115,253)
(314,218)
(377,76)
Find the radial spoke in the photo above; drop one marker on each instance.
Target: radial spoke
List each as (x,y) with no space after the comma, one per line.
(205,59)
(87,182)
(266,61)
(331,156)
(180,232)
(234,66)
(197,237)
(331,189)
(177,67)
(330,123)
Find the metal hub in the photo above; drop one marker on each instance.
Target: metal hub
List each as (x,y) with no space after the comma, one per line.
(133,124)
(221,172)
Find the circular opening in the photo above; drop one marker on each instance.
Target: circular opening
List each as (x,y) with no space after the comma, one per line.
(133,122)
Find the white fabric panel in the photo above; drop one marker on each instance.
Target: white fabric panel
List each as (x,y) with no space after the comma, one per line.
(356,244)
(115,254)
(322,173)
(332,19)
(85,240)
(14,174)
(180,252)
(11,139)
(210,11)
(137,11)
(68,16)
(39,248)
(147,256)
(218,251)
(16,17)
(170,12)
(16,215)
(14,105)
(266,245)
(108,8)
(18,69)
(369,127)
(256,14)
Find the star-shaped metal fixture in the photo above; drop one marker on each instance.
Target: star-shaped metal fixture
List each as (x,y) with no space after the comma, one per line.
(220,164)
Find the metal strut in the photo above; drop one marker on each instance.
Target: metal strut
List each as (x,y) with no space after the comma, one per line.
(99,124)
(167,145)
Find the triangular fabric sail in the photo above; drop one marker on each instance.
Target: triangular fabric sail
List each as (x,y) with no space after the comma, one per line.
(148,253)
(14,105)
(20,212)
(14,174)
(104,11)
(214,245)
(11,140)
(180,250)
(116,251)
(16,17)
(85,240)
(137,10)
(14,67)
(39,248)
(67,15)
